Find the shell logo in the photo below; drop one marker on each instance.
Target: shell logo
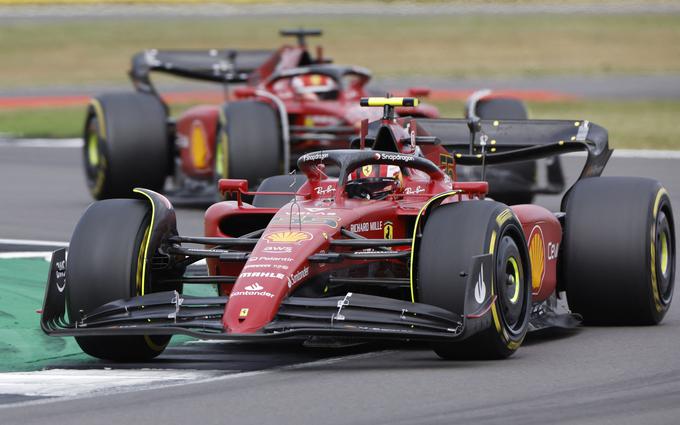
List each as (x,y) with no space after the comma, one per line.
(198,143)
(537,258)
(288,237)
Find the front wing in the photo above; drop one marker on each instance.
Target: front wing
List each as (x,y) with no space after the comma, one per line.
(354,315)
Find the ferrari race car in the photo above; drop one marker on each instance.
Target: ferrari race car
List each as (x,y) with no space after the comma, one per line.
(391,248)
(288,102)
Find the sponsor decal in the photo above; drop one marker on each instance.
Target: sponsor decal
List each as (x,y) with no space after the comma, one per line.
(446,164)
(537,258)
(274,259)
(60,275)
(316,156)
(252,290)
(412,191)
(298,276)
(289,237)
(262,275)
(553,250)
(320,211)
(306,218)
(366,170)
(388,230)
(251,293)
(366,226)
(282,249)
(243,313)
(480,287)
(394,157)
(325,191)
(267,266)
(198,143)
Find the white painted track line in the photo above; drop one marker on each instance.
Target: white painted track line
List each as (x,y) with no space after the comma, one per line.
(32,242)
(43,143)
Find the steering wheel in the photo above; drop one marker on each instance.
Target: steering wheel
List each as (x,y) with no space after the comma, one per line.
(372,187)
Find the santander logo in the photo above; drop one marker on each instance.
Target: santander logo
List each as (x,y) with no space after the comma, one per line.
(254,287)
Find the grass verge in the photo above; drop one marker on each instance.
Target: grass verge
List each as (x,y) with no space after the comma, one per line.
(42,53)
(23,345)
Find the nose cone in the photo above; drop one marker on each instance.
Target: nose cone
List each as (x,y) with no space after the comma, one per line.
(267,278)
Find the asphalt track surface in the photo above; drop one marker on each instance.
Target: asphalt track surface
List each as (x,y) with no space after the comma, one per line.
(622,375)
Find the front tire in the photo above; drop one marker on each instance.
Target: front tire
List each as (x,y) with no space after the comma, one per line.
(618,257)
(105,262)
(454,234)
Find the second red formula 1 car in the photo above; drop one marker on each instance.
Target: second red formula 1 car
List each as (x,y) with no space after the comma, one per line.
(285,103)
(392,248)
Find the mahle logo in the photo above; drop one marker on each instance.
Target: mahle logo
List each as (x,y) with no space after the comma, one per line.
(289,237)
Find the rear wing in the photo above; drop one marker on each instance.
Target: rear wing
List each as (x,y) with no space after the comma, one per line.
(221,66)
(517,140)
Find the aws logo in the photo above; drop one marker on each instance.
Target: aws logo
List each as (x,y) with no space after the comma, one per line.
(537,258)
(289,237)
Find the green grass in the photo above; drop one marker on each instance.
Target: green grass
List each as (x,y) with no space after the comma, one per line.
(43,122)
(41,52)
(632,124)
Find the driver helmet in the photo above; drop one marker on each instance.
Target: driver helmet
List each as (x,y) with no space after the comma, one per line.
(315,86)
(377,170)
(377,181)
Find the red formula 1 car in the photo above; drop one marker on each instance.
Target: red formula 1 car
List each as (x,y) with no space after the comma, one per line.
(392,248)
(288,102)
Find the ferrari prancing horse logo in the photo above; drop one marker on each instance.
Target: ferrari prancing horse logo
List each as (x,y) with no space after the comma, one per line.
(388,230)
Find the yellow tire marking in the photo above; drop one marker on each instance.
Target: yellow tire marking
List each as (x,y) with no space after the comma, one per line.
(224,139)
(655,286)
(148,236)
(99,112)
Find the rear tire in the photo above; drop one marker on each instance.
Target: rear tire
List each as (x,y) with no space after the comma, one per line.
(126,144)
(251,141)
(618,256)
(104,264)
(284,183)
(454,234)
(524,171)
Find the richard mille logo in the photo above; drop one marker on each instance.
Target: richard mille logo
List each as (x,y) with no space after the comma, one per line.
(480,287)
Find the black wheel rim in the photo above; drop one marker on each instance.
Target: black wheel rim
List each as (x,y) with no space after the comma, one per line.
(510,284)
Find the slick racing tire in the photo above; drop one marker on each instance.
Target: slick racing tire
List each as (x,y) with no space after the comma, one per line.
(618,255)
(523,172)
(105,261)
(284,183)
(251,142)
(455,233)
(126,144)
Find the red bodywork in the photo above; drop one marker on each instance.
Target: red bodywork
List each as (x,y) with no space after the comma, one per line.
(279,263)
(276,77)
